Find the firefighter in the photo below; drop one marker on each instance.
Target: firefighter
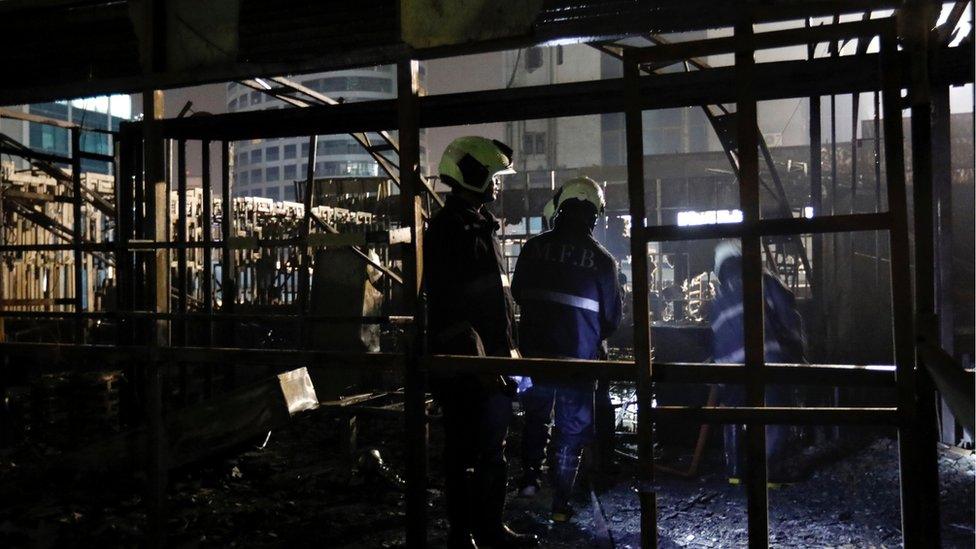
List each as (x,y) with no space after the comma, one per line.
(784,342)
(568,292)
(470,312)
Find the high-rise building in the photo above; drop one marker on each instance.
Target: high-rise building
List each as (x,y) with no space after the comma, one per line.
(270,167)
(99,113)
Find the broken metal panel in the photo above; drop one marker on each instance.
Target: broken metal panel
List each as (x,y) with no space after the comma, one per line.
(343,285)
(208,428)
(298,391)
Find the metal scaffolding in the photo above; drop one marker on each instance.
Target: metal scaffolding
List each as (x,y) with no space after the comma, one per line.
(150,320)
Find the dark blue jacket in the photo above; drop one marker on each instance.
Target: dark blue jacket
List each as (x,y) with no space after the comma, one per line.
(783,331)
(469,303)
(568,293)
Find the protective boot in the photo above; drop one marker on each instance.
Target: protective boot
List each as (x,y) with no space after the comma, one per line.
(458,491)
(564,478)
(490,530)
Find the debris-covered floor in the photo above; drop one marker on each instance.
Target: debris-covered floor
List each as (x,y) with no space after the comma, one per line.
(300,490)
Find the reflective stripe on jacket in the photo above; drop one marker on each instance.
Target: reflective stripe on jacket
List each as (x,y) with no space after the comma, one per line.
(568,293)
(783,328)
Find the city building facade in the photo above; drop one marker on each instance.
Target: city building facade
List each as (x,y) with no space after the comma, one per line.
(97,113)
(271,167)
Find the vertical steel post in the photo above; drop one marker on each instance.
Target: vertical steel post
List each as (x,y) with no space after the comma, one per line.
(77,234)
(411,215)
(206,225)
(181,280)
(140,275)
(130,149)
(877,184)
(159,227)
(909,440)
(917,15)
(942,195)
(642,330)
(228,280)
(852,238)
(304,253)
(815,277)
(6,433)
(752,298)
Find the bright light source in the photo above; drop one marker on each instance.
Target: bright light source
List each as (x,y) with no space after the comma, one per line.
(808,212)
(116,105)
(708,217)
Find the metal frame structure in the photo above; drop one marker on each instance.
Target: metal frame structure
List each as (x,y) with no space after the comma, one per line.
(142,247)
(750,231)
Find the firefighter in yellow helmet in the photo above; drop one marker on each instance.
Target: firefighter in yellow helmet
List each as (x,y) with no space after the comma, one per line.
(470,312)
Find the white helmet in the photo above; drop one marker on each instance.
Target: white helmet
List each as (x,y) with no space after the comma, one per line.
(472,163)
(580,188)
(726,249)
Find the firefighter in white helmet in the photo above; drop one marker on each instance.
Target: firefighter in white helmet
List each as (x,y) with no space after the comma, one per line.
(568,292)
(783,342)
(471,312)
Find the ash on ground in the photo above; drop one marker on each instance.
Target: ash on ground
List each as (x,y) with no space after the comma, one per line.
(300,489)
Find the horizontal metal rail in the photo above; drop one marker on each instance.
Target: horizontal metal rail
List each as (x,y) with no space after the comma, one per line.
(37,119)
(778,80)
(114,354)
(795,374)
(31,154)
(770,415)
(236,243)
(675,372)
(96,156)
(680,51)
(216,316)
(767,227)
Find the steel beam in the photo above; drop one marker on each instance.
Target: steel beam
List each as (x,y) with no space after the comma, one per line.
(752,284)
(768,227)
(77,235)
(786,79)
(679,51)
(411,216)
(769,415)
(641,304)
(918,16)
(909,442)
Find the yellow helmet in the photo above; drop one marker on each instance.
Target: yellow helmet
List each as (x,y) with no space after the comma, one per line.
(472,162)
(549,210)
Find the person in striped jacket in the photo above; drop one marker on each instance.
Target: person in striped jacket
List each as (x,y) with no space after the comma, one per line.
(783,342)
(569,296)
